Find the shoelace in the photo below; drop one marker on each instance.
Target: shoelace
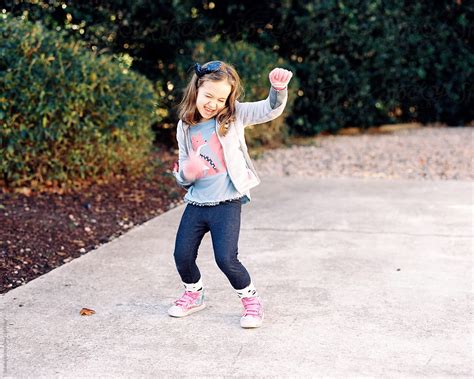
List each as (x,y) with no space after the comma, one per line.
(252,306)
(187,298)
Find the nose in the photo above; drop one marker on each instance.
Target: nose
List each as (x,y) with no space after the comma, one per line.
(211,105)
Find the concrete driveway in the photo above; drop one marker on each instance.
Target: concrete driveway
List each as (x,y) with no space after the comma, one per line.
(359,277)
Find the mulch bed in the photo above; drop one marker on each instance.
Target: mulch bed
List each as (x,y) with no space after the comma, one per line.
(40,232)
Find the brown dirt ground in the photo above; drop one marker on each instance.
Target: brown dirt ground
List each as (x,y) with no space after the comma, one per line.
(42,231)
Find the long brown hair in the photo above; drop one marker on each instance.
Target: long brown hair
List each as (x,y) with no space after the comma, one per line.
(187,109)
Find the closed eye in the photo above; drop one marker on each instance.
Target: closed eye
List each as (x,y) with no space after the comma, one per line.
(221,100)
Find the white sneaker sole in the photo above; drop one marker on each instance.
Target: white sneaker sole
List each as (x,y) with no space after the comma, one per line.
(251,323)
(176,311)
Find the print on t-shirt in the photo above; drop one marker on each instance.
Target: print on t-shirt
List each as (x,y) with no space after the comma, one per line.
(211,152)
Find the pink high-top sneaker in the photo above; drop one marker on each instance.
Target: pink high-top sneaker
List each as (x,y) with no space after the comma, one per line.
(188,303)
(252,316)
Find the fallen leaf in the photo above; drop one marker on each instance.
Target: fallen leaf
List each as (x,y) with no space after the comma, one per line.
(86,312)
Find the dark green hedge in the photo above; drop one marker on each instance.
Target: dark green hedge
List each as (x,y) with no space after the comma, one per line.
(360,63)
(68,116)
(365,63)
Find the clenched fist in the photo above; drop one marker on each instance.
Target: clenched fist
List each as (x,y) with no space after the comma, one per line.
(194,167)
(279,77)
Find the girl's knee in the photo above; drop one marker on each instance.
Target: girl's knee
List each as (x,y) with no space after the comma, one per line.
(182,256)
(227,261)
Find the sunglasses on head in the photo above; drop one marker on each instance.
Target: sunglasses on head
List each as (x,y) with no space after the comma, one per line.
(211,67)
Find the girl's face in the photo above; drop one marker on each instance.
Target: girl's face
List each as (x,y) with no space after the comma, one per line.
(211,98)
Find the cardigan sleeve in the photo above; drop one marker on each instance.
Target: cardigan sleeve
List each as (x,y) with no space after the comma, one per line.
(258,112)
(182,156)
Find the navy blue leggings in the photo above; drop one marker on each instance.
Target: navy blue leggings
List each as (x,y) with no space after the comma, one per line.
(223,221)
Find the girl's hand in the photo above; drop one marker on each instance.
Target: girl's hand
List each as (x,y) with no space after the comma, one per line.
(279,77)
(193,167)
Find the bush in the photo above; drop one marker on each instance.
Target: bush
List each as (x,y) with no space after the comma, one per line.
(360,63)
(68,116)
(367,63)
(253,66)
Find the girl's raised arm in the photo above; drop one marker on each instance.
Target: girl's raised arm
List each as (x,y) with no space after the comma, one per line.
(258,112)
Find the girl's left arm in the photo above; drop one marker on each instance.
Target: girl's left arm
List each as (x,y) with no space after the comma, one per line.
(258,112)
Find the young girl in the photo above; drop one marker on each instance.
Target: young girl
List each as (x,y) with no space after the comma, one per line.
(216,169)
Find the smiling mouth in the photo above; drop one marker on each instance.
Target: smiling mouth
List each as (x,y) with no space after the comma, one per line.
(208,110)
